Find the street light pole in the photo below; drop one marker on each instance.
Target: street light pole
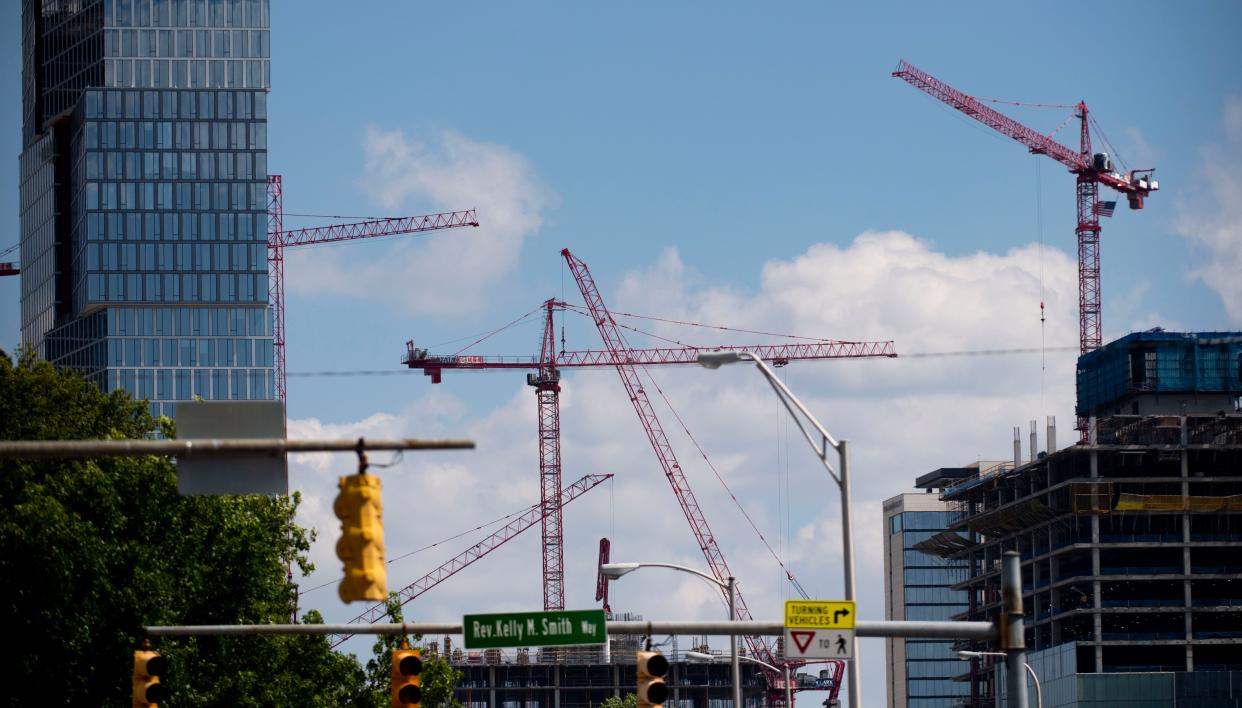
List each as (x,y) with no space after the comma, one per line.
(737,669)
(713,360)
(616,570)
(700,656)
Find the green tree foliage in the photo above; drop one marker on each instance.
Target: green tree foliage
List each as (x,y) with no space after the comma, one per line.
(92,550)
(630,701)
(438,676)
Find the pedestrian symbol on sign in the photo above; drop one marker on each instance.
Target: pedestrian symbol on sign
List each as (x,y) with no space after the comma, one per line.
(841,644)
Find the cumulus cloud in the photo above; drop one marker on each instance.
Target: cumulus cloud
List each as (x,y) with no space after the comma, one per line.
(903,417)
(1214,222)
(444,273)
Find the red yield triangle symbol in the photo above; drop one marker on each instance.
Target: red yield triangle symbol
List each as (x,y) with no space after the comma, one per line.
(802,639)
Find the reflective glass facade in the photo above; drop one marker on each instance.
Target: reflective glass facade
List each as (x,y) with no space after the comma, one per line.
(144,195)
(921,672)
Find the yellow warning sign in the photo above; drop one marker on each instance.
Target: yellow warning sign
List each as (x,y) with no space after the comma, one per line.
(817,614)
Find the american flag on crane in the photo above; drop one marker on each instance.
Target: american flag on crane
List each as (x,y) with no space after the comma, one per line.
(1104,208)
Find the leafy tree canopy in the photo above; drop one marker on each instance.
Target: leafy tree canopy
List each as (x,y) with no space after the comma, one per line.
(630,701)
(92,550)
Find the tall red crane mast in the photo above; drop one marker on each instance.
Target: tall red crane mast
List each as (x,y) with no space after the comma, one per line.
(1091,170)
(278,239)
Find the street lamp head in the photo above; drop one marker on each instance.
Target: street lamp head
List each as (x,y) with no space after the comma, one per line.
(700,656)
(714,360)
(965,654)
(613,571)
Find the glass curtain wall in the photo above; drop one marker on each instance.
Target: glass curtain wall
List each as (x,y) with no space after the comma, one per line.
(161,168)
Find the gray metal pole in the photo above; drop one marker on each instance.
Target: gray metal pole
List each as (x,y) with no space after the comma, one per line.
(847,541)
(1013,633)
(43,449)
(737,667)
(788,690)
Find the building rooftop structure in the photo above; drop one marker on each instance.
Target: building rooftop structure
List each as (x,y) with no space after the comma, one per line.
(1162,372)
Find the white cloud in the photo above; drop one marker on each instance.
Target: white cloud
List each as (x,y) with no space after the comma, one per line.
(1214,222)
(903,418)
(444,273)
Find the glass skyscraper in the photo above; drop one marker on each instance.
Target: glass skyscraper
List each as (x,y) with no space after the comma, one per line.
(143,180)
(917,586)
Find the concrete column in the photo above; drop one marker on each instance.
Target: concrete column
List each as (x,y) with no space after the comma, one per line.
(1186,591)
(1097,624)
(491,685)
(556,683)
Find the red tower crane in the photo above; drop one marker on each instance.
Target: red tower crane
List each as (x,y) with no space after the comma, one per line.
(546,382)
(1091,170)
(278,240)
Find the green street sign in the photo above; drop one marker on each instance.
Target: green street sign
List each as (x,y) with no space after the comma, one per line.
(534,629)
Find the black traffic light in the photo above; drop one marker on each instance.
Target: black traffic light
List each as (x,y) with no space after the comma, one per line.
(652,668)
(361,545)
(148,667)
(407,669)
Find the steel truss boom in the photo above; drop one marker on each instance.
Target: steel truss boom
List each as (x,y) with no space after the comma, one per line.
(778,354)
(615,342)
(278,239)
(1090,171)
(462,560)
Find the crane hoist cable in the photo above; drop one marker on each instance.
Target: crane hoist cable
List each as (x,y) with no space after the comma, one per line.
(738,504)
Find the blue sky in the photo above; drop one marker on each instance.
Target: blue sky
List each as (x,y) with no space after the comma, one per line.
(719,163)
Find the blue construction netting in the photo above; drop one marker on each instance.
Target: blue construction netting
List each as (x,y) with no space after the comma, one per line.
(1159,362)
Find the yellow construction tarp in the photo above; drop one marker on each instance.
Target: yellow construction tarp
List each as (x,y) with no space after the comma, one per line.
(1177,502)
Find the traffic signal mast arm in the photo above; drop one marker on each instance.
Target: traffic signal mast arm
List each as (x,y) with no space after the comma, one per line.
(456,564)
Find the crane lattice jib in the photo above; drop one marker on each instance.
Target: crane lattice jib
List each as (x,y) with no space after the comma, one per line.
(455,564)
(1036,141)
(776,353)
(375,228)
(1078,161)
(615,342)
(278,239)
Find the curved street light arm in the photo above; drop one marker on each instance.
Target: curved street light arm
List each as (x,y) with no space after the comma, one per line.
(685,569)
(796,407)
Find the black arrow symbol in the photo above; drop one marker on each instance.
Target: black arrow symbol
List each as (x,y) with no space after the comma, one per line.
(836,616)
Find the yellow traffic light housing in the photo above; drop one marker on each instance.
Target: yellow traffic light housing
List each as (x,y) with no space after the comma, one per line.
(407,669)
(361,545)
(148,667)
(652,668)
